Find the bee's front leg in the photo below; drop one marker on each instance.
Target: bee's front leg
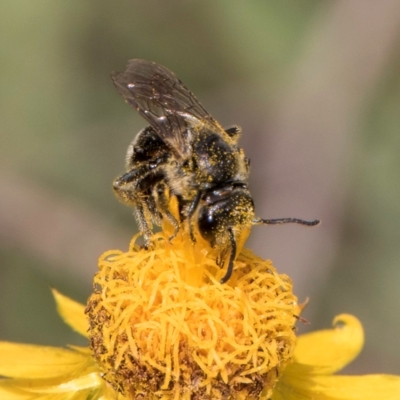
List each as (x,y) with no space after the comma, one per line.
(126,188)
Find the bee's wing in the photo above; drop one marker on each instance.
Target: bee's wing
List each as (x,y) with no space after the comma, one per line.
(163,100)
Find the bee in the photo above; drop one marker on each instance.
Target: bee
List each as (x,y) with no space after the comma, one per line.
(186,153)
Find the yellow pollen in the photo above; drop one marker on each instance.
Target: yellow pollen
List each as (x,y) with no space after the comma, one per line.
(162,326)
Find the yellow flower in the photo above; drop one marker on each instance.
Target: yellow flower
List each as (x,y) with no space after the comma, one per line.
(163,326)
(160,325)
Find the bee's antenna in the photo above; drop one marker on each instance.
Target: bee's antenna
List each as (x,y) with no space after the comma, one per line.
(279,221)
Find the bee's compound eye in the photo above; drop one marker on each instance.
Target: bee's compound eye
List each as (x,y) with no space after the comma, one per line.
(207,224)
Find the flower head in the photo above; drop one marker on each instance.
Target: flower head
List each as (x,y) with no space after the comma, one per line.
(160,325)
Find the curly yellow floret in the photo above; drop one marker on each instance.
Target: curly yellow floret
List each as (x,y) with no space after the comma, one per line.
(163,326)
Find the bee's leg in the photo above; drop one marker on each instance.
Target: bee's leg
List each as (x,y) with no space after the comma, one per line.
(232,256)
(190,211)
(126,188)
(123,185)
(163,204)
(143,219)
(280,221)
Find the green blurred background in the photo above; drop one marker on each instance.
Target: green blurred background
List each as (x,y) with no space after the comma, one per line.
(315,86)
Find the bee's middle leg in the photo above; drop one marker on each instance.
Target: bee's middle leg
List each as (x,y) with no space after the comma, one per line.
(163,205)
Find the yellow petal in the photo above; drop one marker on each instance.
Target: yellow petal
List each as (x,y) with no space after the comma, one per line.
(72,312)
(89,381)
(84,387)
(83,350)
(28,361)
(8,392)
(367,387)
(330,350)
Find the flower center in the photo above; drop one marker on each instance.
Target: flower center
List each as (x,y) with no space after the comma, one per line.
(162,326)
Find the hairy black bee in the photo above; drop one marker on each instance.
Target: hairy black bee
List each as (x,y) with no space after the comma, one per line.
(185,153)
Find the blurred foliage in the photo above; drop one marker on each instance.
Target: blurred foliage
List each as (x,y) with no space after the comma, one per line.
(366,275)
(65,129)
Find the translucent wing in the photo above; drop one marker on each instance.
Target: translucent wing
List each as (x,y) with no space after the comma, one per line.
(164,101)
